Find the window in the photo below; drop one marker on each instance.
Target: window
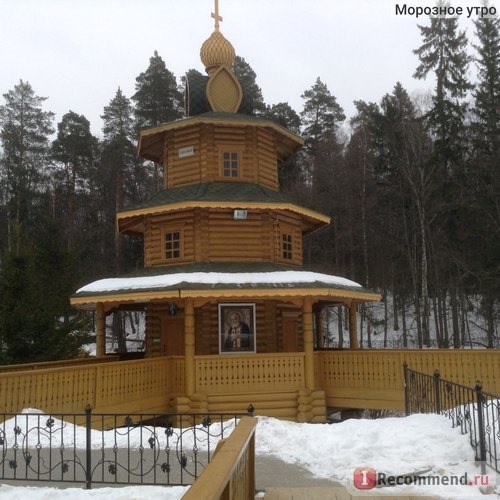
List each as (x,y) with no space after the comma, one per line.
(173,245)
(230,164)
(287,246)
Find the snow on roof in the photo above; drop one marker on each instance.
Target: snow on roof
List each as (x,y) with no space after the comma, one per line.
(289,278)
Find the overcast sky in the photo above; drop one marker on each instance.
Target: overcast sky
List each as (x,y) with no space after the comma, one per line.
(78,52)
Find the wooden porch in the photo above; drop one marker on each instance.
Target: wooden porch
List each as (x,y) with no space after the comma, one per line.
(273,383)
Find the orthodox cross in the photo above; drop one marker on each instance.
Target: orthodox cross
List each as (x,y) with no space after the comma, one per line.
(216,15)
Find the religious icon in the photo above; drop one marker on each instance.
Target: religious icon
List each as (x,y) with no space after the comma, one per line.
(236,328)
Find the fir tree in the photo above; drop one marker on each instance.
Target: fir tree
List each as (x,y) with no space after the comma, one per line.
(487,92)
(37,322)
(443,52)
(483,238)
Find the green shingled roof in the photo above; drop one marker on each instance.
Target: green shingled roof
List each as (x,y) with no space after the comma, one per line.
(214,191)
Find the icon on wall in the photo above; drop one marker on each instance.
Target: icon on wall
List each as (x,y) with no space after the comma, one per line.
(236,328)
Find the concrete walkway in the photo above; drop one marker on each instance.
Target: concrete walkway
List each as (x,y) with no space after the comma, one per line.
(272,472)
(278,480)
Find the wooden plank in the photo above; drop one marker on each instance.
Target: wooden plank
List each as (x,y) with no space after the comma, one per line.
(231,472)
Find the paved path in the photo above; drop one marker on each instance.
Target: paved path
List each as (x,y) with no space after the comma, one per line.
(272,472)
(319,493)
(278,480)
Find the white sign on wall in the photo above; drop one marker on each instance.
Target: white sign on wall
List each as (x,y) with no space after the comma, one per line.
(185,152)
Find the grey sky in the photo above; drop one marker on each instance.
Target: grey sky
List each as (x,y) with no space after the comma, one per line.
(78,52)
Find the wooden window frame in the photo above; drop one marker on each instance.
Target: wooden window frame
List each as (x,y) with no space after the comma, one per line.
(231,150)
(286,246)
(180,240)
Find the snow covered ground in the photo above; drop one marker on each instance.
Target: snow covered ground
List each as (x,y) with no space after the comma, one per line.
(397,446)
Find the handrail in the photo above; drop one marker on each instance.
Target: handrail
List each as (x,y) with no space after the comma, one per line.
(231,473)
(62,363)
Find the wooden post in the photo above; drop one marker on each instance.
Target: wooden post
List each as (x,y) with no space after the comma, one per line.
(307,314)
(100,330)
(353,327)
(189,346)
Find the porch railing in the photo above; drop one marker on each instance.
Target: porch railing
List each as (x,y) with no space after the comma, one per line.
(149,449)
(250,373)
(373,378)
(474,411)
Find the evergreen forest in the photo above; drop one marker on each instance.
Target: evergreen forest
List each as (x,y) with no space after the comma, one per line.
(412,186)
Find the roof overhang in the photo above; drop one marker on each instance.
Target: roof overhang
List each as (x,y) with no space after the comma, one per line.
(221,285)
(132,221)
(151,140)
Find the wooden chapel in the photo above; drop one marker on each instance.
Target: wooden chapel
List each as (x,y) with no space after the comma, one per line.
(223,287)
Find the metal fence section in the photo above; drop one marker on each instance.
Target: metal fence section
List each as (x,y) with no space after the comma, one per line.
(474,411)
(150,449)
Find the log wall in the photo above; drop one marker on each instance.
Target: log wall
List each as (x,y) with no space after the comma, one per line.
(213,235)
(269,333)
(257,148)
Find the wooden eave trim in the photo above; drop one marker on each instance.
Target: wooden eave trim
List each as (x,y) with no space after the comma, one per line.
(122,216)
(205,120)
(257,293)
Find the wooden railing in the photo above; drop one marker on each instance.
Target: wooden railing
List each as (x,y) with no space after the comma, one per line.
(231,473)
(354,379)
(42,365)
(249,373)
(141,385)
(374,378)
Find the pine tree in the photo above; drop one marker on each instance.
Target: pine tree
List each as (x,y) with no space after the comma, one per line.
(157,98)
(320,159)
(248,81)
(321,115)
(74,152)
(119,170)
(290,174)
(24,134)
(283,114)
(118,166)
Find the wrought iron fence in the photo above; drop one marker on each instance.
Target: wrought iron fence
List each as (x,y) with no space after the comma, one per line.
(151,449)
(474,411)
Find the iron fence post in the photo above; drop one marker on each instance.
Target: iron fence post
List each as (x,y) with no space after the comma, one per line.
(480,423)
(88,447)
(407,396)
(437,392)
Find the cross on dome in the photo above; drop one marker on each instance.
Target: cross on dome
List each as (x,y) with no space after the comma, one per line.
(216,15)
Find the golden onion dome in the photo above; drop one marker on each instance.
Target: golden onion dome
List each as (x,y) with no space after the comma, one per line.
(217,51)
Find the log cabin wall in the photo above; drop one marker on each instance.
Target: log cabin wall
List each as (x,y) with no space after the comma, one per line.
(256,148)
(213,235)
(157,226)
(232,240)
(153,332)
(164,332)
(270,327)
